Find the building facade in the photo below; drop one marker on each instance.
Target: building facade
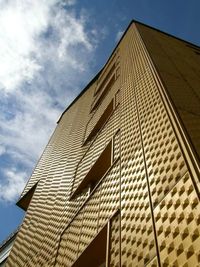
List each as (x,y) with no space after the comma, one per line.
(118,183)
(6,247)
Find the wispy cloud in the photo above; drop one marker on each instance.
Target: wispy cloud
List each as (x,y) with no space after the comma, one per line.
(45,50)
(119,35)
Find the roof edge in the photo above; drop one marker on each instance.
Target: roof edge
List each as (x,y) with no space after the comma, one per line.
(80,94)
(97,75)
(166,33)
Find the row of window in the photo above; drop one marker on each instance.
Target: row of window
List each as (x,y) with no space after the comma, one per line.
(104,118)
(102,83)
(106,69)
(106,80)
(106,158)
(101,166)
(104,92)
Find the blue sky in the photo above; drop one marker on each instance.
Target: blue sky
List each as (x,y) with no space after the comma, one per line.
(49,51)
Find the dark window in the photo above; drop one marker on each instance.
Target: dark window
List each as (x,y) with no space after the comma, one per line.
(95,254)
(97,171)
(117,98)
(26,199)
(102,120)
(103,94)
(104,81)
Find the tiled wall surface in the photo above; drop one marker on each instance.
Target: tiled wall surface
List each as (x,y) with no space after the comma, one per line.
(148,196)
(178,64)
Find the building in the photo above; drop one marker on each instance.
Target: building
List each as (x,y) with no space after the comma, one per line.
(6,247)
(118,183)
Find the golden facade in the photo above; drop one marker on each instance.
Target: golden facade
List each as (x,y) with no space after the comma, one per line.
(118,183)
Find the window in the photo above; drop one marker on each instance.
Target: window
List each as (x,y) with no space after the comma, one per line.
(114,58)
(26,199)
(97,171)
(117,72)
(95,254)
(117,98)
(102,84)
(103,94)
(100,123)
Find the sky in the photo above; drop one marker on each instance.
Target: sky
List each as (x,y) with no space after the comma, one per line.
(49,51)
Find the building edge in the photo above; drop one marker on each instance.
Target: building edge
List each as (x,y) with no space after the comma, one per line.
(133,21)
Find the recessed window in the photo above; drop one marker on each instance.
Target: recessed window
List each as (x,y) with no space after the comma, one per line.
(100,123)
(117,98)
(103,94)
(95,254)
(97,171)
(26,199)
(104,81)
(114,58)
(117,72)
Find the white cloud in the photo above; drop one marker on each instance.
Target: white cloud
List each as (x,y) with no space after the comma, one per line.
(19,30)
(119,35)
(45,52)
(22,49)
(12,187)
